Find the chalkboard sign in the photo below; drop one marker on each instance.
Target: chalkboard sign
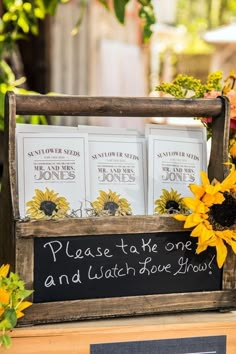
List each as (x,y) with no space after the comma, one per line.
(196,345)
(104,266)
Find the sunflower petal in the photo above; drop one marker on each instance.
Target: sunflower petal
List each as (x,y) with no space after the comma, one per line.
(201,248)
(212,189)
(204,178)
(4,296)
(24,305)
(4,269)
(180,217)
(230,180)
(198,191)
(221,251)
(193,220)
(192,203)
(206,234)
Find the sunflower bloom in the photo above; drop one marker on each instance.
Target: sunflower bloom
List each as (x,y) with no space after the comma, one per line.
(213,217)
(47,205)
(110,203)
(170,202)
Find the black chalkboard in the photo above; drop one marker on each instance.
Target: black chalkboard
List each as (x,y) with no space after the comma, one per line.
(195,345)
(89,267)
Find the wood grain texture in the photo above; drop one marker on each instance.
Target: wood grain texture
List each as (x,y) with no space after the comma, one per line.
(220,142)
(127,306)
(117,106)
(9,199)
(25,261)
(98,226)
(76,337)
(229,271)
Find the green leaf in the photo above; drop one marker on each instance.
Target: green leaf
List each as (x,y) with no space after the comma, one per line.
(147,14)
(5,340)
(7,74)
(5,325)
(119,7)
(10,315)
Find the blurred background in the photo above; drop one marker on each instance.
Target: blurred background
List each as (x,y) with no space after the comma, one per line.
(79,47)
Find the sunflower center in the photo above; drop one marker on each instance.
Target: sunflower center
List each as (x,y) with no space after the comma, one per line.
(172,206)
(48,207)
(111,207)
(224,215)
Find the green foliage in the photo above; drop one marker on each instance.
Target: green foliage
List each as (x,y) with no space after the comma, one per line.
(146,13)
(119,7)
(12,294)
(204,15)
(187,86)
(22,17)
(8,82)
(5,340)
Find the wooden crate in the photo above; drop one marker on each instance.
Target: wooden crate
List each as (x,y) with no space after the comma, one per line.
(17,236)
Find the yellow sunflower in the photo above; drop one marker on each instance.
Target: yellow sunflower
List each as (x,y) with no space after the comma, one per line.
(47,205)
(110,203)
(213,214)
(170,202)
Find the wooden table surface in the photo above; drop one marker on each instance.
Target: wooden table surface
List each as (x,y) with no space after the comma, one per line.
(76,337)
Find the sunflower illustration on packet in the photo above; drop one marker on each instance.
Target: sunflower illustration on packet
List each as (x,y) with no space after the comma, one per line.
(111,204)
(47,204)
(170,202)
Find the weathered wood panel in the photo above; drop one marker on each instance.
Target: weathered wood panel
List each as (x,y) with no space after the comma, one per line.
(117,106)
(220,143)
(98,226)
(25,261)
(9,198)
(127,306)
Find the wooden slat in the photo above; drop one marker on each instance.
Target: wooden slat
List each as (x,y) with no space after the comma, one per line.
(9,200)
(25,261)
(117,106)
(229,271)
(98,226)
(220,143)
(127,306)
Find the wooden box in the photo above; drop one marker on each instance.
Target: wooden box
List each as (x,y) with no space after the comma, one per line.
(19,238)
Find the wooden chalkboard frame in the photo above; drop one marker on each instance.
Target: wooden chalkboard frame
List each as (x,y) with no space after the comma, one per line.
(17,236)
